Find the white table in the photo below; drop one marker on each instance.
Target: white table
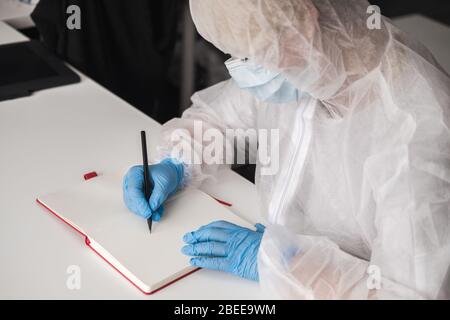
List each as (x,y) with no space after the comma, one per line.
(47,142)
(17,14)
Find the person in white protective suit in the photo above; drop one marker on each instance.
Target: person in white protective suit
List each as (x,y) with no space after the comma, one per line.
(360,205)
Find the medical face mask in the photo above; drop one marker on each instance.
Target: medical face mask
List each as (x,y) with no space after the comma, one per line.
(264,84)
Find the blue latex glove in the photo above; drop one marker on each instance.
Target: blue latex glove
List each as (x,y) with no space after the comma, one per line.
(165,178)
(226,247)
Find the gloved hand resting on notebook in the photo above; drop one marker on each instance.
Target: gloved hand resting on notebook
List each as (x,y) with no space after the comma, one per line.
(226,247)
(165,179)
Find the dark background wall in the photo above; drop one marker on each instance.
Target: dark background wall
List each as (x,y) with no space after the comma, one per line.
(436,9)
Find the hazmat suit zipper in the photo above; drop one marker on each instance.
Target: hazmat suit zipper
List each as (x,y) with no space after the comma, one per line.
(296,162)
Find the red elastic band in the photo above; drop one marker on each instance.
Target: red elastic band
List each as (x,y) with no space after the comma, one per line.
(90,175)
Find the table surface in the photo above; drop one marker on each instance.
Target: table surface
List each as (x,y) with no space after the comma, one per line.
(16,13)
(47,142)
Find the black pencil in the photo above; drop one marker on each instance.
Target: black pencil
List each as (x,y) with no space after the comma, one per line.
(147,186)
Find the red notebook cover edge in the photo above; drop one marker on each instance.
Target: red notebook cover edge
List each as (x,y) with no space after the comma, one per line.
(59,217)
(88,243)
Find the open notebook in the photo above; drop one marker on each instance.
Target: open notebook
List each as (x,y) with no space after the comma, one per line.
(95,209)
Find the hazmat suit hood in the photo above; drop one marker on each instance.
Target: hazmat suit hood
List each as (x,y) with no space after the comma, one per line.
(322,47)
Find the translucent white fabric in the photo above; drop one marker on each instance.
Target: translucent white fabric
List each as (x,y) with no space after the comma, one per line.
(360,207)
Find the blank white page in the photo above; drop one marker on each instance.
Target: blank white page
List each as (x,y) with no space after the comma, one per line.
(97,208)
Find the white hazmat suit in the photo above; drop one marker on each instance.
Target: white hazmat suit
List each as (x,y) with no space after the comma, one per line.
(359,208)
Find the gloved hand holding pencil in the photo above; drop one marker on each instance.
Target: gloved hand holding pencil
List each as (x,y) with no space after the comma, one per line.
(165,178)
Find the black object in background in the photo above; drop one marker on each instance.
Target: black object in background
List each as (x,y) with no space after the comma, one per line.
(436,9)
(27,67)
(124,45)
